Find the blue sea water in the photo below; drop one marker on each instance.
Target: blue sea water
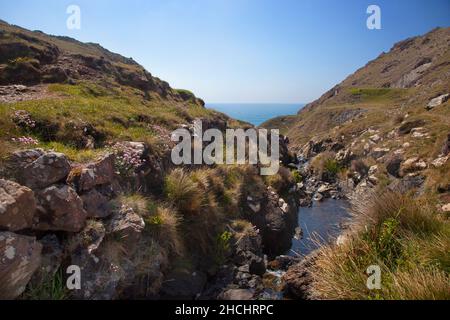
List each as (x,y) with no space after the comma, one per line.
(255,113)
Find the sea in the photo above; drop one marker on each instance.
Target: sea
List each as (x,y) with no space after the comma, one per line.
(256,113)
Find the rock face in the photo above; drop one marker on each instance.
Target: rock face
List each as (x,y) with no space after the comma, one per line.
(17,206)
(43,171)
(20,256)
(60,209)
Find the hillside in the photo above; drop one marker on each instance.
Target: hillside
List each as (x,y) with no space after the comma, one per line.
(401,81)
(86,179)
(382,139)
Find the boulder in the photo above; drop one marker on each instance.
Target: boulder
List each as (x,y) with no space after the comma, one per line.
(20,256)
(126,225)
(412,165)
(393,163)
(237,294)
(437,101)
(379,152)
(298,279)
(96,204)
(408,126)
(407,183)
(17,206)
(86,177)
(440,161)
(282,262)
(61,209)
(41,172)
(102,269)
(256,264)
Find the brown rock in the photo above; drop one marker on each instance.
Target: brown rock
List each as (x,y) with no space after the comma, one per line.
(96,204)
(20,256)
(128,226)
(61,209)
(393,165)
(298,279)
(36,169)
(17,206)
(52,256)
(94,174)
(237,294)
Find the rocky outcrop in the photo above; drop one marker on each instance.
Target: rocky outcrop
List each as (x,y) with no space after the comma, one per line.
(20,256)
(276,220)
(17,206)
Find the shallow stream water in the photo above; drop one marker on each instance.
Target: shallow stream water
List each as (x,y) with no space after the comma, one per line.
(319,224)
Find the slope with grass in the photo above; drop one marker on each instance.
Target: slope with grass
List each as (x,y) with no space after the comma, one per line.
(86,179)
(381,138)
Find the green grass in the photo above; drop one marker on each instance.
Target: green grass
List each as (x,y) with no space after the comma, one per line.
(117,113)
(50,288)
(406,237)
(376,94)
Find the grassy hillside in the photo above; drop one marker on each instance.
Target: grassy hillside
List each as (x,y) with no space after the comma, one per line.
(371,131)
(82,98)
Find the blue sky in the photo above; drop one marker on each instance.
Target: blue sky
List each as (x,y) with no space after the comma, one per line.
(239,50)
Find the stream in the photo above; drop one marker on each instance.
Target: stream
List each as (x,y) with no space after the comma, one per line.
(318,225)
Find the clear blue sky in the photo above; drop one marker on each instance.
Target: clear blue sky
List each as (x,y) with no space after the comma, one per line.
(239,50)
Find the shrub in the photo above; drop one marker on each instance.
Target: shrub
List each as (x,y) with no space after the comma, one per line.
(162,226)
(223,247)
(183,191)
(297,176)
(325,164)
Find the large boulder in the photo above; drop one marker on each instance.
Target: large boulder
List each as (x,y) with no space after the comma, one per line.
(20,256)
(93,174)
(17,206)
(37,169)
(61,209)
